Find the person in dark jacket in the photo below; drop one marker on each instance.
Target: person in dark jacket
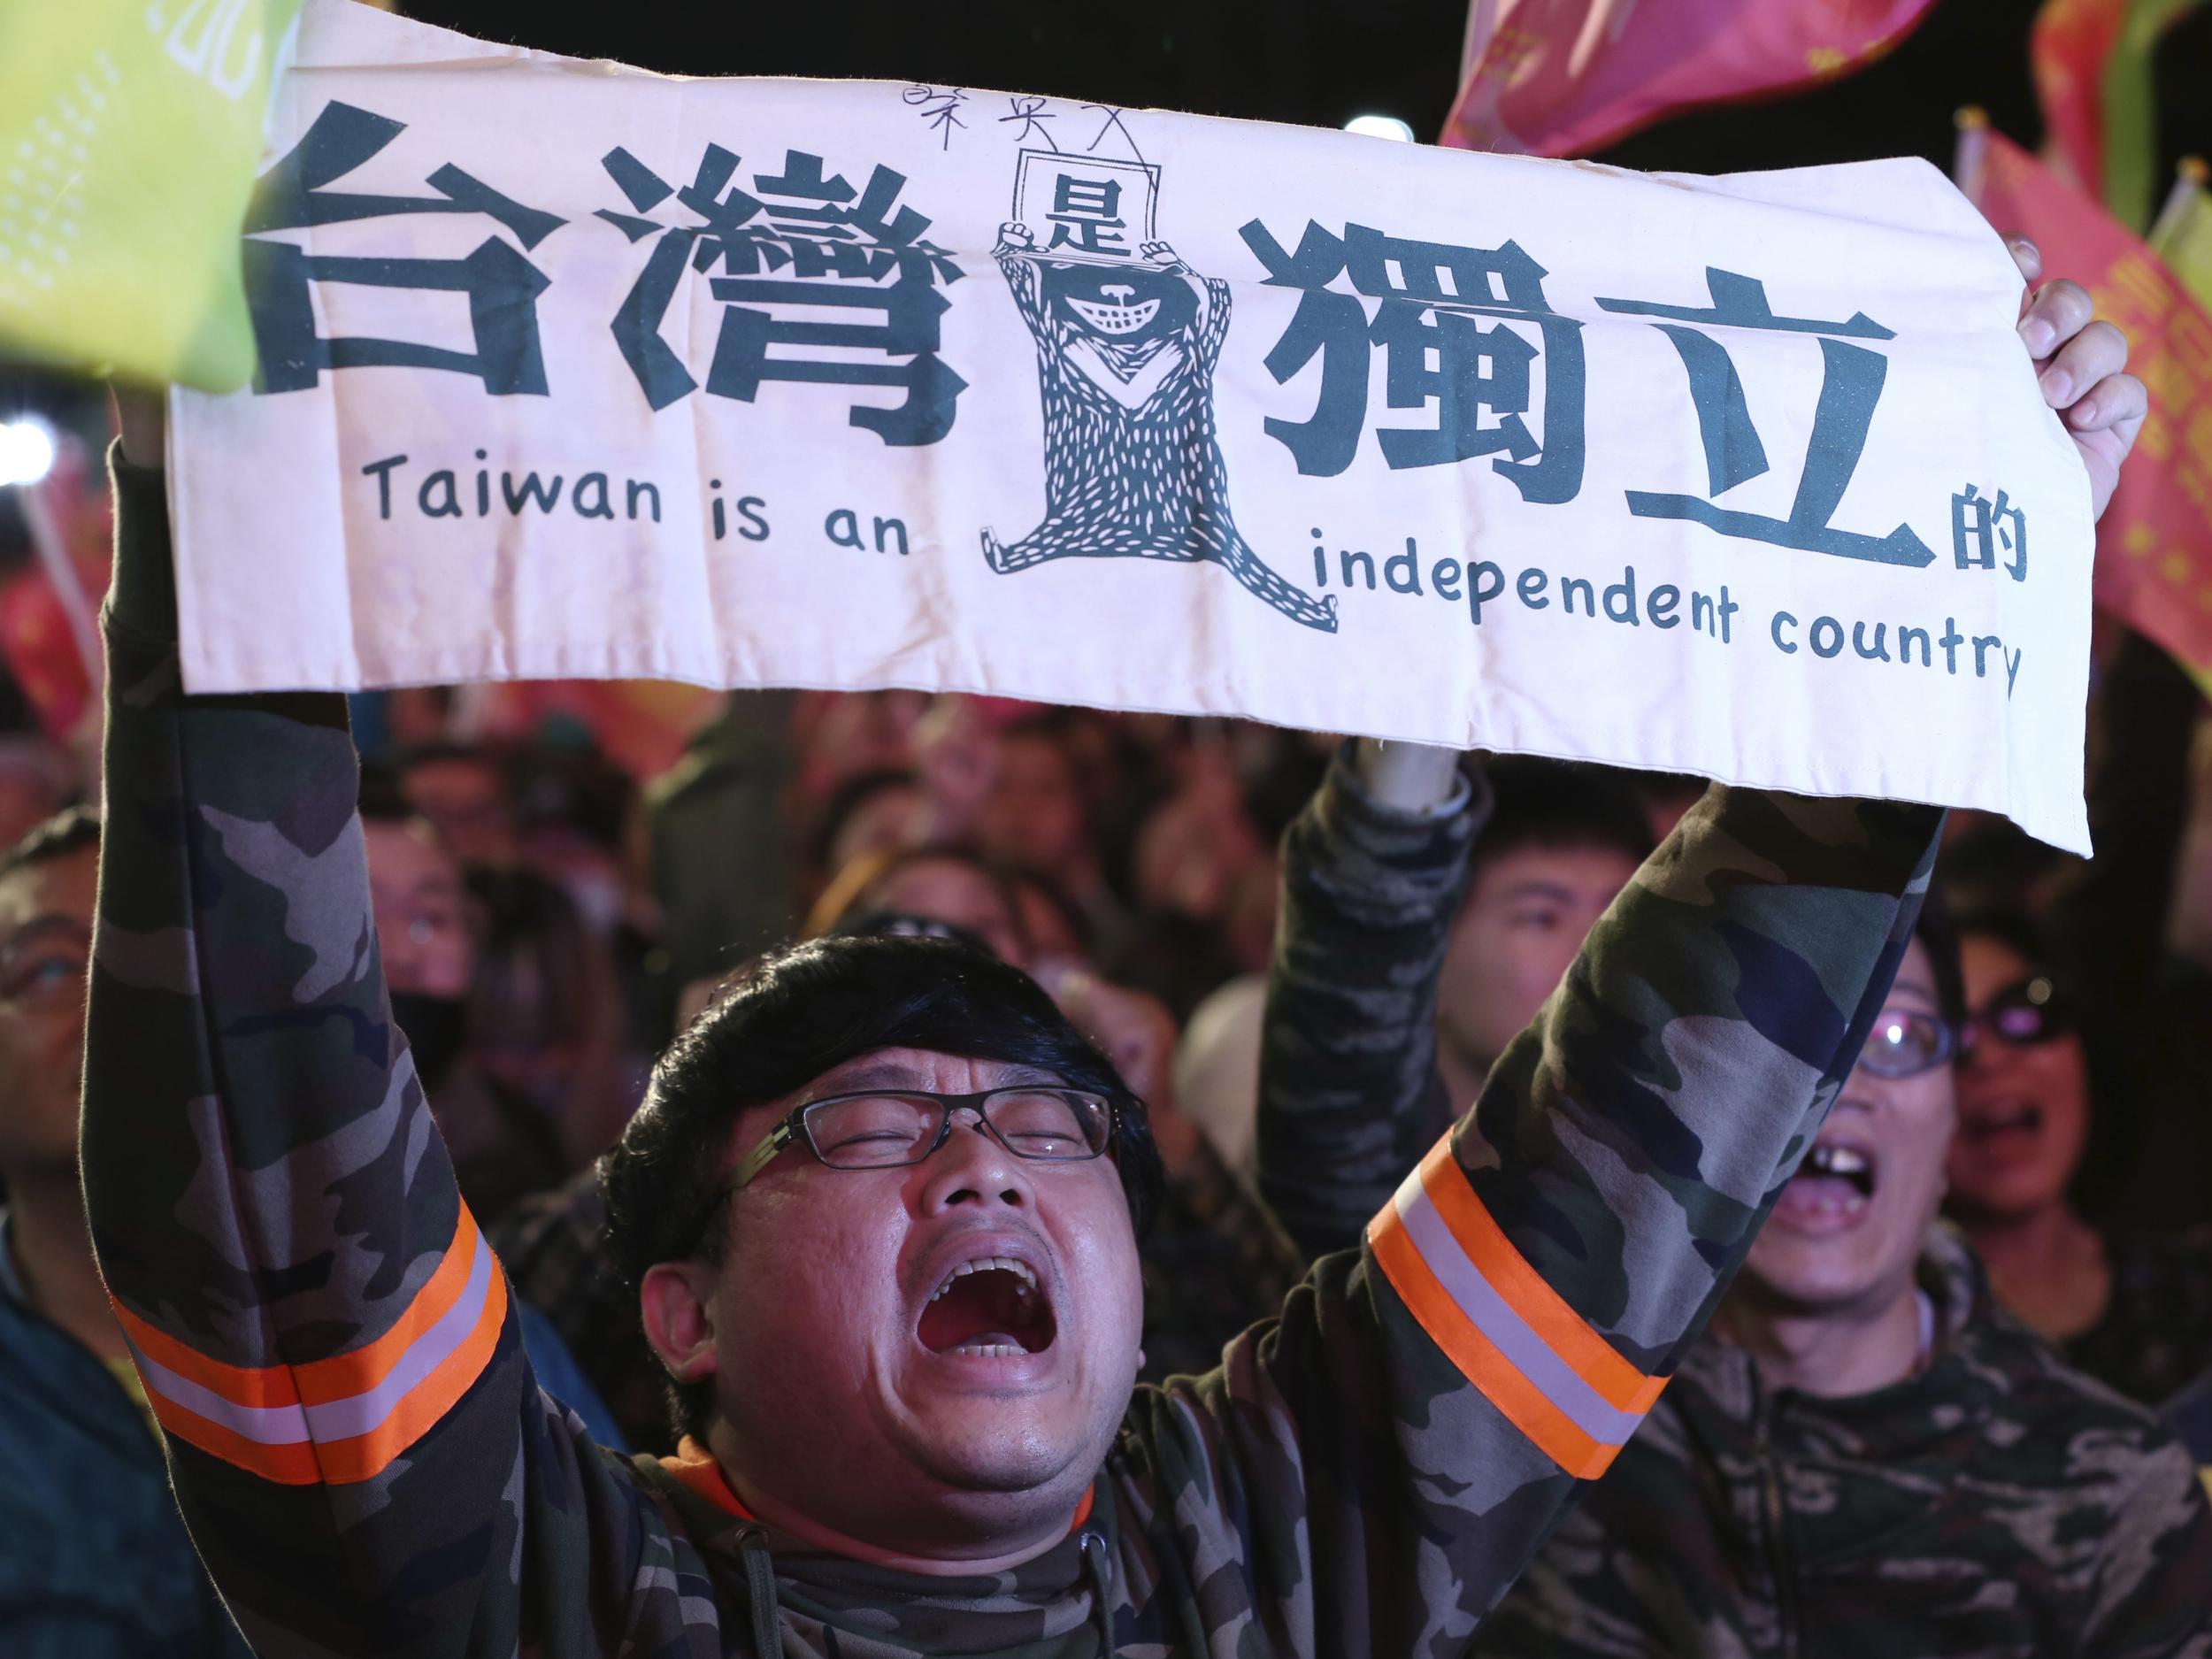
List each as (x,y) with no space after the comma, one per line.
(94,1562)
(1862,1446)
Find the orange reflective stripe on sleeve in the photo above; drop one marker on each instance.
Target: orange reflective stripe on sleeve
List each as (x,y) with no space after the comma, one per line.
(347,1417)
(1506,1330)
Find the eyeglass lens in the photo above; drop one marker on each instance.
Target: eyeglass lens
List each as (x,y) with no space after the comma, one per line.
(881,1131)
(1904,1042)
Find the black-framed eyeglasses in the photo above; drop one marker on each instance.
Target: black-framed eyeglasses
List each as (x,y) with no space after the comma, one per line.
(1906,1041)
(889,1129)
(2034,1010)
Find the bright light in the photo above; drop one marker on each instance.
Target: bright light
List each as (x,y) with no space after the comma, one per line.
(1380,127)
(27,451)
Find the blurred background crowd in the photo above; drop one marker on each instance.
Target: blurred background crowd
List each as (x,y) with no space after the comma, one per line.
(562,873)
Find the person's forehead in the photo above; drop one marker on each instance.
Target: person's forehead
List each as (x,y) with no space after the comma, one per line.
(1915,975)
(1581,866)
(920,1069)
(63,886)
(1989,964)
(925,883)
(409,853)
(450,773)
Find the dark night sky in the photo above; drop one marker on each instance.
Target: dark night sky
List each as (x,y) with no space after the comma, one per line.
(1319,62)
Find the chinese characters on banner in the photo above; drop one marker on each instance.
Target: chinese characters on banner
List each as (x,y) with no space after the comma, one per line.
(573,373)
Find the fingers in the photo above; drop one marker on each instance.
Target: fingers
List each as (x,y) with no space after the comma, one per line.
(2118,402)
(2058,312)
(2027,256)
(2098,350)
(142,420)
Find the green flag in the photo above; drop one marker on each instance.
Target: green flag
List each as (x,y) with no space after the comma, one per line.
(2183,235)
(2130,128)
(129,132)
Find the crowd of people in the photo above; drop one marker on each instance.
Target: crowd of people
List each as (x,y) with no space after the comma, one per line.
(858,1108)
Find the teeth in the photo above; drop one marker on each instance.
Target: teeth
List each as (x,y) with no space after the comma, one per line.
(984,1263)
(1839,1161)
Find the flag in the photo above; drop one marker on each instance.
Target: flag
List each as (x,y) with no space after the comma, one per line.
(129,133)
(1568,77)
(2092,61)
(2068,45)
(2155,546)
(2131,130)
(48,633)
(2183,235)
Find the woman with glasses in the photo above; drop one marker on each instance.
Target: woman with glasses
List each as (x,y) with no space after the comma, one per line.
(2131,1309)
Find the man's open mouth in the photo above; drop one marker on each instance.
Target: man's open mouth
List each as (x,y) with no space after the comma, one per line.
(1835,1183)
(992,1307)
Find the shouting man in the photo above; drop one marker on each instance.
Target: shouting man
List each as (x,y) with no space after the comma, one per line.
(882,1205)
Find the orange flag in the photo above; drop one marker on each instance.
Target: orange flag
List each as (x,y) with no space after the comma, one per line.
(2155,546)
(1568,77)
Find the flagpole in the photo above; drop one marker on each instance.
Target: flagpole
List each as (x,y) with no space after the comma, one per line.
(1971,157)
(2189,182)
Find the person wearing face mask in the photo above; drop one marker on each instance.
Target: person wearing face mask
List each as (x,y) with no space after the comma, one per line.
(1861,1444)
(419,906)
(2131,1309)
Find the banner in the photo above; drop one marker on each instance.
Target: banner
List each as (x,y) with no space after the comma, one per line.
(569,371)
(1569,77)
(2155,568)
(129,131)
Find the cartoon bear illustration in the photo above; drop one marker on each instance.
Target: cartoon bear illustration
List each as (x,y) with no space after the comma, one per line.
(1125,355)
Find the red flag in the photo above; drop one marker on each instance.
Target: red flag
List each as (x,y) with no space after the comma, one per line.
(2154,547)
(1568,77)
(2067,49)
(49,628)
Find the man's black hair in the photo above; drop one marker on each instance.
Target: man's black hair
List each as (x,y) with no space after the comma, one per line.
(787,1018)
(70,830)
(380,800)
(1940,939)
(1558,805)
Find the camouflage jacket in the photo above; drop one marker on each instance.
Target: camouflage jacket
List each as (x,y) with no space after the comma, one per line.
(1999,1504)
(1996,1504)
(368,1467)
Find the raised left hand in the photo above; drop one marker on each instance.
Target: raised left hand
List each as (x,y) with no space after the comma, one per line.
(2081,363)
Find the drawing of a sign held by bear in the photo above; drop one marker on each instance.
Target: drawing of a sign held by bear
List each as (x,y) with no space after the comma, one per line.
(1127,341)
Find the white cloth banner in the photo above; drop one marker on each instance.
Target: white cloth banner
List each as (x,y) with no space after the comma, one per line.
(569,369)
